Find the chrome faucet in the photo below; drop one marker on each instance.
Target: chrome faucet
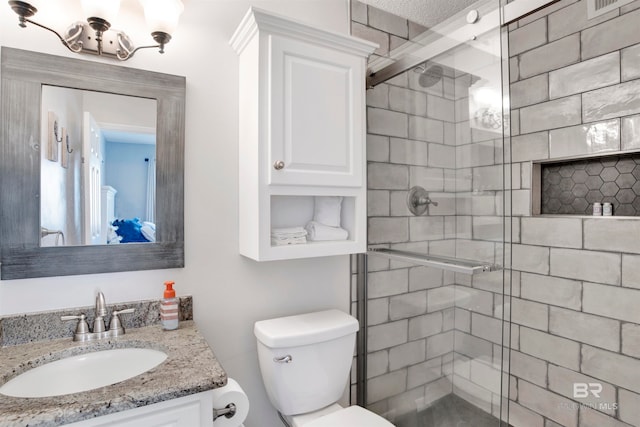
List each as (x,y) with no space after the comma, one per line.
(100,331)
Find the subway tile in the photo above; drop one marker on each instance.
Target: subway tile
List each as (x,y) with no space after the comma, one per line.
(611,301)
(475,250)
(528,368)
(573,19)
(440,298)
(630,134)
(526,175)
(431,179)
(358,12)
(389,23)
(378,311)
(530,314)
(440,108)
(449,133)
(614,368)
(618,235)
(408,152)
(592,418)
(488,178)
(551,290)
(462,321)
(514,69)
(611,35)
(486,327)
(377,203)
(553,114)
(424,373)
(533,146)
(515,122)
(631,340)
(377,363)
(401,80)
(611,102)
(532,259)
(387,335)
(551,348)
(378,96)
(585,76)
(488,228)
(471,346)
(377,148)
(553,406)
(442,156)
(386,385)
(407,305)
(425,278)
(519,416)
(552,56)
(473,155)
(595,330)
(446,204)
(407,101)
(527,37)
(629,406)
(631,63)
(592,266)
(550,8)
(425,129)
(384,176)
(475,300)
(486,375)
(529,91)
(426,228)
(386,283)
(425,326)
(557,232)
(631,271)
(585,139)
(373,35)
(407,354)
(385,122)
(439,344)
(561,381)
(388,230)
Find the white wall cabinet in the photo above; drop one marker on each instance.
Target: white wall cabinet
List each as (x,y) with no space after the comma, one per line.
(302,132)
(195,410)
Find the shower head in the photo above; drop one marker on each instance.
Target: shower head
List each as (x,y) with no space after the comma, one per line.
(429,76)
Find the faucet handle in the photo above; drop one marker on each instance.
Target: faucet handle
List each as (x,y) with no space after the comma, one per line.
(116,324)
(82,328)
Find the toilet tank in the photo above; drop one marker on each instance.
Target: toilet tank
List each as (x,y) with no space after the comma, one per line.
(319,349)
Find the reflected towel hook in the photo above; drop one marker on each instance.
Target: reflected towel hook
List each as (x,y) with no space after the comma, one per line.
(67,143)
(55,131)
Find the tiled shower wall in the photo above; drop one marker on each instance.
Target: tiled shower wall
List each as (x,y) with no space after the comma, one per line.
(576,316)
(430,332)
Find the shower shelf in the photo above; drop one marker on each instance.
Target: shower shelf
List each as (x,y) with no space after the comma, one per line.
(456,265)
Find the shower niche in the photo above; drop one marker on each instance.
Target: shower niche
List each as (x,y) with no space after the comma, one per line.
(301,134)
(571,187)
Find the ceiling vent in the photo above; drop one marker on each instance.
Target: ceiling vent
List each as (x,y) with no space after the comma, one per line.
(596,8)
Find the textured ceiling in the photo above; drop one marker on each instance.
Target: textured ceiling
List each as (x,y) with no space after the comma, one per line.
(425,12)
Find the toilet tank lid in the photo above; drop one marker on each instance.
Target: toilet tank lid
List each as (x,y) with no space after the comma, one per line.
(304,329)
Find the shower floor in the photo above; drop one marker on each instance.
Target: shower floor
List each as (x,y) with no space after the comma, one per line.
(450,411)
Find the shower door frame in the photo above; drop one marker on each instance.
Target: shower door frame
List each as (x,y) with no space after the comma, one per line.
(507,14)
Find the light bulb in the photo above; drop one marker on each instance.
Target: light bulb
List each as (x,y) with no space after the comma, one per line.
(104,9)
(162,15)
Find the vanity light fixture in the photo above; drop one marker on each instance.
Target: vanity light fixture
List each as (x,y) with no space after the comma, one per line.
(95,36)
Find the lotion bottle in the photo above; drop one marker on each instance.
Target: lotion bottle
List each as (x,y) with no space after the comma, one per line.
(169,308)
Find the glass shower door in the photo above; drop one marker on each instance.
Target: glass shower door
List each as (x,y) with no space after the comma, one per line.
(436,291)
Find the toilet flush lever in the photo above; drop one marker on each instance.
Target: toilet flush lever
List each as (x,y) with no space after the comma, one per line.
(283,359)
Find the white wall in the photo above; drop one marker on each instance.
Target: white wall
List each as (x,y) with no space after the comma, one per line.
(230,292)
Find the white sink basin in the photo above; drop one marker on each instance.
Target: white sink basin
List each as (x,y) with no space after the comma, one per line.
(83,372)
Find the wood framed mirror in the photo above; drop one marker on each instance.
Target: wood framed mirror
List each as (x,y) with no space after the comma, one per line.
(22,255)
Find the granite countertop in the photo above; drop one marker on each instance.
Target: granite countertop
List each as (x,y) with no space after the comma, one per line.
(191,367)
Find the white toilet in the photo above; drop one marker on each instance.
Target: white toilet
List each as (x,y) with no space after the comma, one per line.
(305,362)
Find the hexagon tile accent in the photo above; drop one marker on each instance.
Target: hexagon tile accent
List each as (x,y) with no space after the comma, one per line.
(572,187)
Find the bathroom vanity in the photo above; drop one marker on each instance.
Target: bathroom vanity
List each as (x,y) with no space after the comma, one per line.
(176,392)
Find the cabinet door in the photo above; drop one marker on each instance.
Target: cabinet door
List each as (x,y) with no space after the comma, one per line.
(316,112)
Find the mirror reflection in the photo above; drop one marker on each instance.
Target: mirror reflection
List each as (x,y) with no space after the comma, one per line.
(98,168)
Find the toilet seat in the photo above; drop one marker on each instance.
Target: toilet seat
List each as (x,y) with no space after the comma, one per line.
(353,416)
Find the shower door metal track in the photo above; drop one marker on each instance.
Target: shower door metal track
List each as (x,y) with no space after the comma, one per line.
(456,265)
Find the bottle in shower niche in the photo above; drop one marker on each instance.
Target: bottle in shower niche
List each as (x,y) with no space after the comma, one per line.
(597,209)
(607,209)
(169,308)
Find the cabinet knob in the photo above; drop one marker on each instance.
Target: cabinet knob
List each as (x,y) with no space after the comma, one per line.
(278,165)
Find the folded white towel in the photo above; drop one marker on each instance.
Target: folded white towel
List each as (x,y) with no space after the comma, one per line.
(288,241)
(327,210)
(288,232)
(321,232)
